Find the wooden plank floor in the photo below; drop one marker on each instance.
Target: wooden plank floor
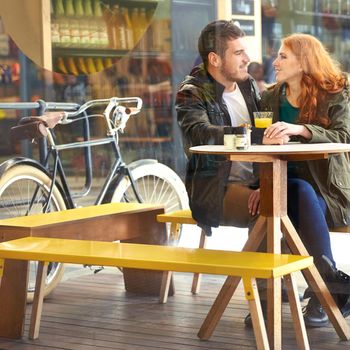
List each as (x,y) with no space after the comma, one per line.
(94,312)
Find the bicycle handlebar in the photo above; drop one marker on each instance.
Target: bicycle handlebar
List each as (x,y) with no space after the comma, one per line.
(116,113)
(53,106)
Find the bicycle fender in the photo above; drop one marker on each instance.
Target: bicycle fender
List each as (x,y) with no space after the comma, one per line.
(21,160)
(140,162)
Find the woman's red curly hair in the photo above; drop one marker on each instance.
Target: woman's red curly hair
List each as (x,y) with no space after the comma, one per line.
(322,75)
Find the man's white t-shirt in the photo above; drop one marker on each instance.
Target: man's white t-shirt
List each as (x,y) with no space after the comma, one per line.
(240,171)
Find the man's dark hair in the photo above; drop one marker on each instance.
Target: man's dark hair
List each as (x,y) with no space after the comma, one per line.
(214,38)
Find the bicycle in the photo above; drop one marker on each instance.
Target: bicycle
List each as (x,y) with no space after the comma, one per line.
(28,186)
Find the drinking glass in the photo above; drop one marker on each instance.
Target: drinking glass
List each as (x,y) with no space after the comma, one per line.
(263,119)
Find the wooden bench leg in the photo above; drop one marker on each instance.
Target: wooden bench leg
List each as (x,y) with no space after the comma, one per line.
(164,288)
(252,295)
(175,230)
(297,315)
(197,276)
(38,300)
(2,264)
(166,278)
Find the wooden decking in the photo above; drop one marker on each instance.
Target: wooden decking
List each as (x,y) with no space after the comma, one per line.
(90,311)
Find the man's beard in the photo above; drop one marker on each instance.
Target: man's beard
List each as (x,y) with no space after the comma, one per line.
(232,77)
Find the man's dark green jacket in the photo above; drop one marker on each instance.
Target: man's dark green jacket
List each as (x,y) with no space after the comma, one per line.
(202,115)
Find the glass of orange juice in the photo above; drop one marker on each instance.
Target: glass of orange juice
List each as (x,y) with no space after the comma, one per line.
(263,119)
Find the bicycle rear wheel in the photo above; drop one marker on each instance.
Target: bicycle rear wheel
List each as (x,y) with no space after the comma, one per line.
(24,190)
(156,183)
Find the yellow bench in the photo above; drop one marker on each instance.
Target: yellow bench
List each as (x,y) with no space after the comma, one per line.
(180,217)
(133,222)
(247,265)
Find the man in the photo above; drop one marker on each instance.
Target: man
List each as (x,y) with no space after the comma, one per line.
(217,95)
(220,94)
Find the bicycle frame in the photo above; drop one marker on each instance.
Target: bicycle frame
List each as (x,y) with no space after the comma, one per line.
(117,171)
(118,168)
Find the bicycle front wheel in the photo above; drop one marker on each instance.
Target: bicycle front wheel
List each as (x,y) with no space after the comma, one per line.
(24,190)
(155,183)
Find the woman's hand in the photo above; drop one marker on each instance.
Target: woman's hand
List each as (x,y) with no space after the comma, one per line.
(275,141)
(254,202)
(281,129)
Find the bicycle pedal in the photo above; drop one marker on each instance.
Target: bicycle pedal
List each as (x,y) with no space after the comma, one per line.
(93,268)
(98,269)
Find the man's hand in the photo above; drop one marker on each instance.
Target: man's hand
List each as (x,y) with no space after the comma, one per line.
(282,129)
(254,202)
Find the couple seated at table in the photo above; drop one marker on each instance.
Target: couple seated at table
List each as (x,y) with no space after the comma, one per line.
(310,104)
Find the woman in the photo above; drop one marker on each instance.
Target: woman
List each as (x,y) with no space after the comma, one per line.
(311,104)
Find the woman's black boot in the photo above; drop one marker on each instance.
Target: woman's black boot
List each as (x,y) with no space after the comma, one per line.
(338,283)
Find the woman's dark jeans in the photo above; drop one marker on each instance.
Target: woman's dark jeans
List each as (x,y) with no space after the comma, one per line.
(307,211)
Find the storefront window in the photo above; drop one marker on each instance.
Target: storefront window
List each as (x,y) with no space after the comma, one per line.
(328,20)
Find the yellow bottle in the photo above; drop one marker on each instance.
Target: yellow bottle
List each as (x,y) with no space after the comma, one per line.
(108,62)
(90,66)
(81,66)
(72,69)
(135,22)
(99,64)
(61,66)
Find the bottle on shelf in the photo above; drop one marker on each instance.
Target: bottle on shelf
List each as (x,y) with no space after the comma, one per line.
(135,22)
(55,30)
(128,28)
(73,24)
(63,25)
(102,38)
(346,8)
(81,66)
(94,37)
(90,66)
(79,15)
(72,69)
(61,67)
(160,34)
(83,24)
(108,19)
(89,23)
(108,62)
(119,27)
(143,24)
(99,64)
